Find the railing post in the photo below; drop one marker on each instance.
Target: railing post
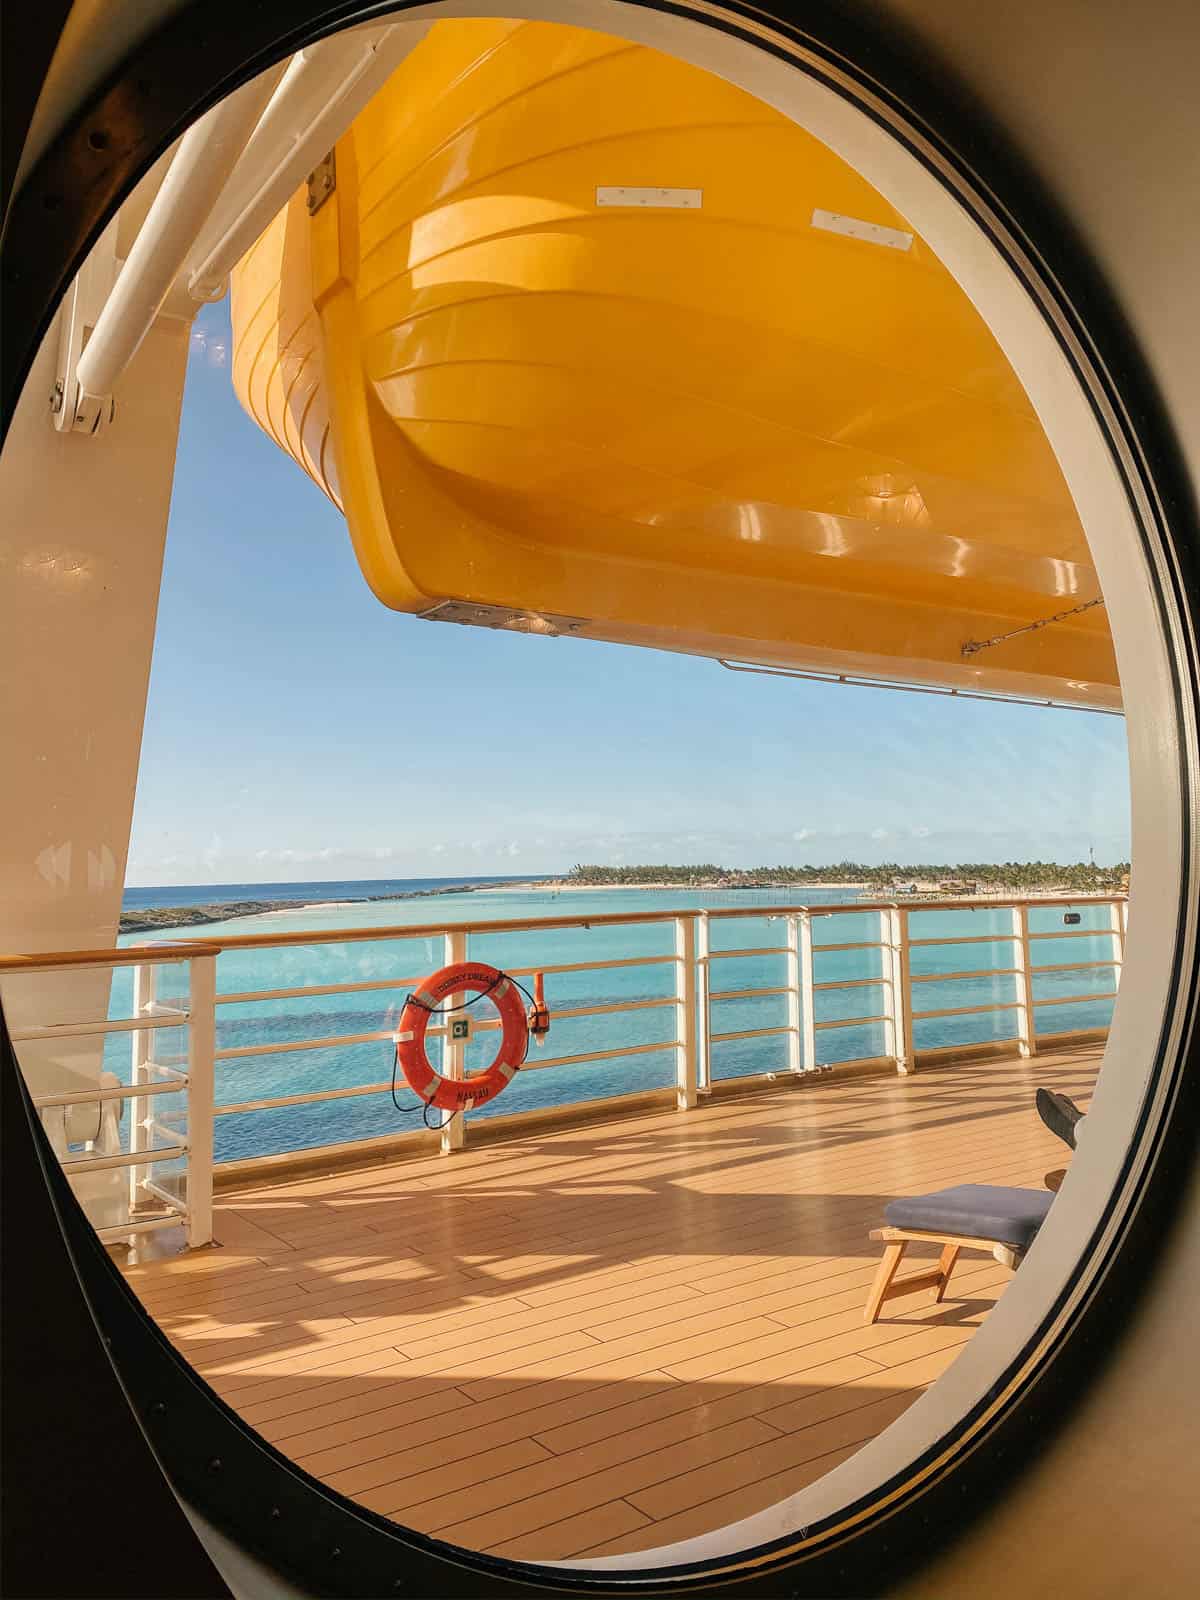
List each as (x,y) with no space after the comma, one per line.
(1026,1031)
(202,1036)
(145,990)
(1116,921)
(891,983)
(703,1007)
(795,1046)
(454,1051)
(894,936)
(808,994)
(685,1013)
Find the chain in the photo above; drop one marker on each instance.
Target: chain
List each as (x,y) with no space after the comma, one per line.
(973,646)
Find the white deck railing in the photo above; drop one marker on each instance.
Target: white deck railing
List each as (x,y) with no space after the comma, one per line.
(66,1113)
(690,952)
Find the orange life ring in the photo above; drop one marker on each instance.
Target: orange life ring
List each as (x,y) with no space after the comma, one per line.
(460,1094)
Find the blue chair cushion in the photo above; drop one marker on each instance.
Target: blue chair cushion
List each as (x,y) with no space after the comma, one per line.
(975,1211)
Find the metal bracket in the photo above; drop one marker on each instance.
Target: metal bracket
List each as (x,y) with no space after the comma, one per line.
(71,410)
(475,614)
(322,181)
(853,682)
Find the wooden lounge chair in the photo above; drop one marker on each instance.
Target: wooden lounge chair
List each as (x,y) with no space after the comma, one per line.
(971,1216)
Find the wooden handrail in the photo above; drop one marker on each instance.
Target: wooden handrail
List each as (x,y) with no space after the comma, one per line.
(132,955)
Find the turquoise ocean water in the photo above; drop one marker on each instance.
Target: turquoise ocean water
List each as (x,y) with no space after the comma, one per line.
(283,1021)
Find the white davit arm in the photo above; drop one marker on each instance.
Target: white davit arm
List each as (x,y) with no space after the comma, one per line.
(232,173)
(206,156)
(323,90)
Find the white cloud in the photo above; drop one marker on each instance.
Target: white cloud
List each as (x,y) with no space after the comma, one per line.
(802,833)
(211,348)
(880,833)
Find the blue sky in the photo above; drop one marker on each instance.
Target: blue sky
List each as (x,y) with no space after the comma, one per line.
(283,697)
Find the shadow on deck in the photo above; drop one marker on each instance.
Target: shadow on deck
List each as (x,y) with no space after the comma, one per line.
(608,1337)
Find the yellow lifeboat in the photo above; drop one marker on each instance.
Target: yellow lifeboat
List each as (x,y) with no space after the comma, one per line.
(584,340)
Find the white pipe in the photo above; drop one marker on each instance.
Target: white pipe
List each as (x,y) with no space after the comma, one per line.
(206,156)
(323,90)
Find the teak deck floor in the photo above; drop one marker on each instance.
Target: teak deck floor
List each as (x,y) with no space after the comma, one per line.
(615,1335)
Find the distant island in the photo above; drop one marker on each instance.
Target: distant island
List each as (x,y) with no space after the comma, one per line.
(889,878)
(149,919)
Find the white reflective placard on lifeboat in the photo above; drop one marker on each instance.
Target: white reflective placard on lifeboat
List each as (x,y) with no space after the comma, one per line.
(853,228)
(666,199)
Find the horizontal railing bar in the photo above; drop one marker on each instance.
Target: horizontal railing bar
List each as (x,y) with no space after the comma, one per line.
(854,983)
(746,1033)
(847,1022)
(600,1055)
(858,944)
(485,1025)
(966,1011)
(84,1030)
(129,1158)
(88,1097)
(970,938)
(176,1073)
(180,1207)
(1079,933)
(239,1052)
(961,977)
(304,1099)
(592,966)
(746,994)
(250,996)
(380,1088)
(1074,999)
(559,1013)
(563,1013)
(1073,966)
(122,1230)
(765,950)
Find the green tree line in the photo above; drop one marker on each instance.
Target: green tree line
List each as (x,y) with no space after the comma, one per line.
(1081,876)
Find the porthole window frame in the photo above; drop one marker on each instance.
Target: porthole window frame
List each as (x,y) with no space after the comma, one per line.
(172,75)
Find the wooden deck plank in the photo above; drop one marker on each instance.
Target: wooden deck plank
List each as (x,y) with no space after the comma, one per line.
(548,1498)
(916,1374)
(771,1457)
(562,1540)
(613,1335)
(328,1449)
(715,1401)
(731,1506)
